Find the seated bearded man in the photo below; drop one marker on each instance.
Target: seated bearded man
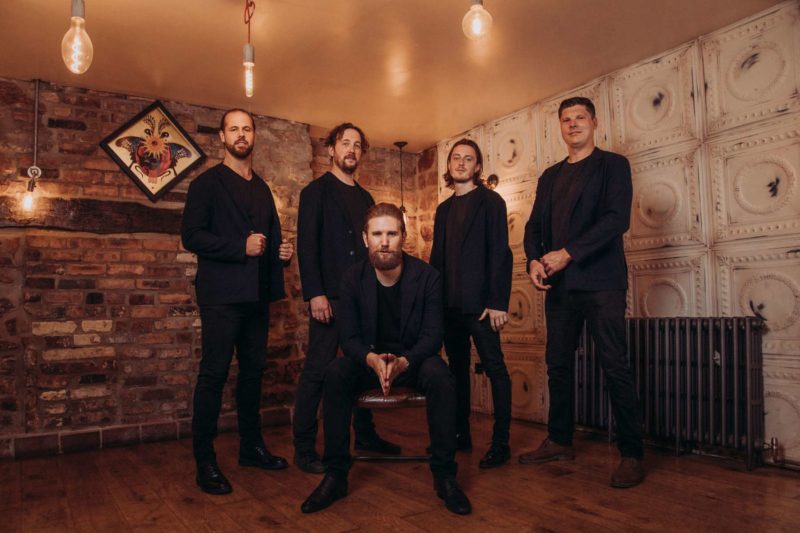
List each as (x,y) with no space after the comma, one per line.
(391,333)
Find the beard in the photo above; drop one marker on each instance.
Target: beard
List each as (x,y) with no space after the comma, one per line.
(385,260)
(347,165)
(239,150)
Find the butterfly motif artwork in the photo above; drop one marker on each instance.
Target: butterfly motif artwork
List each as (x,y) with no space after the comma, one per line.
(153,150)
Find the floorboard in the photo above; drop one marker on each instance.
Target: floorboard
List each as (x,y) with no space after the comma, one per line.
(151,487)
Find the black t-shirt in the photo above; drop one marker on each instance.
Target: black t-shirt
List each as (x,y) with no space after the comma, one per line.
(388,332)
(256,203)
(355,205)
(456,225)
(563,196)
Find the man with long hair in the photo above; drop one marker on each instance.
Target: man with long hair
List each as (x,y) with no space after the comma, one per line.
(470,250)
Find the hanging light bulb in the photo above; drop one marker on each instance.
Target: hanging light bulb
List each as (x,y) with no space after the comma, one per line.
(28,198)
(477,22)
(249,63)
(76,46)
(249,50)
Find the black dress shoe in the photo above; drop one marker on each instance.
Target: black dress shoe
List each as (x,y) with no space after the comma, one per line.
(211,480)
(332,487)
(377,445)
(309,463)
(454,498)
(496,456)
(260,457)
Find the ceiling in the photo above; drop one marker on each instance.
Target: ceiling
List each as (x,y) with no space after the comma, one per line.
(401,69)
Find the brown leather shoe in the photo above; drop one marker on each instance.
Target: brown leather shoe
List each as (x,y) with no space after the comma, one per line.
(629,473)
(547,451)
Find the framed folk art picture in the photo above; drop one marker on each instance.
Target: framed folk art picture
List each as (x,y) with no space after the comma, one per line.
(153,150)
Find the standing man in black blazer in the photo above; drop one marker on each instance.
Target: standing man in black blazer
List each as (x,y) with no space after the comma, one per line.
(470,250)
(390,316)
(329,222)
(231,223)
(573,243)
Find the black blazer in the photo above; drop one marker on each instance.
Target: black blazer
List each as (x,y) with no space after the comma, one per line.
(421,313)
(215,228)
(600,216)
(488,262)
(327,241)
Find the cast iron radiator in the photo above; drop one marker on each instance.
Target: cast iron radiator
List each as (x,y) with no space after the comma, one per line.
(699,382)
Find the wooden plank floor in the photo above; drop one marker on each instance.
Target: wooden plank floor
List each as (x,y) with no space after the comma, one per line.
(151,487)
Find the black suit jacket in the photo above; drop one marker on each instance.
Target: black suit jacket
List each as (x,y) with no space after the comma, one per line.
(215,228)
(420,317)
(328,243)
(485,256)
(600,216)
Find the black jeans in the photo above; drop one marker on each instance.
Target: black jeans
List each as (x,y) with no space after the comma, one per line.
(225,327)
(604,313)
(323,343)
(458,328)
(346,378)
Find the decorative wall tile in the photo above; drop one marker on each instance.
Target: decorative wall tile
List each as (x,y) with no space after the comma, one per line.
(754,181)
(525,313)
(553,149)
(668,283)
(782,407)
(752,70)
(666,208)
(653,103)
(529,398)
(511,148)
(763,280)
(519,202)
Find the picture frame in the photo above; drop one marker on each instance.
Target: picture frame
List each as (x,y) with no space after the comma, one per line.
(154,150)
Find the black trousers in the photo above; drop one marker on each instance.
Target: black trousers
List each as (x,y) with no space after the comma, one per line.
(604,313)
(323,343)
(225,327)
(458,328)
(345,379)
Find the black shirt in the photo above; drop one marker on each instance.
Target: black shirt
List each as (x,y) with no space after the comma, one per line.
(256,205)
(457,219)
(388,338)
(563,196)
(356,206)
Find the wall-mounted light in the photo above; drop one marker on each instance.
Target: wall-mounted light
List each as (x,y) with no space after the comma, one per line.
(477,22)
(34,171)
(28,198)
(76,46)
(249,50)
(400,145)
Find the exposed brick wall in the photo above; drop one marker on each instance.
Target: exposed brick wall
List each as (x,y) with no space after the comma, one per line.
(100,334)
(99,331)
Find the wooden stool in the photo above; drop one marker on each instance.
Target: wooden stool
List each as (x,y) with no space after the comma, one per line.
(397,398)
